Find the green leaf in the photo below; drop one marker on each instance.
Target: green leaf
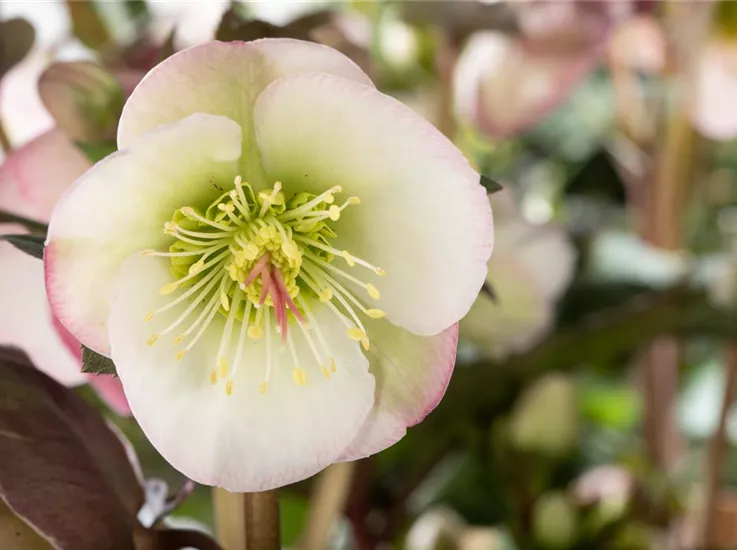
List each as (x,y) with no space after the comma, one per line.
(32,245)
(490,185)
(98,150)
(94,363)
(16,40)
(31,225)
(87,25)
(62,469)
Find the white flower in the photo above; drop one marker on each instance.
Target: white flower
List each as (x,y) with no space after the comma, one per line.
(267,209)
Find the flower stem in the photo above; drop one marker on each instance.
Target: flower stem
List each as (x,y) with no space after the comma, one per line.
(717,451)
(5,145)
(327,503)
(247,521)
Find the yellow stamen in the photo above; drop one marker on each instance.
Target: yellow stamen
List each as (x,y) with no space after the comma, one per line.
(373,291)
(149,316)
(181,354)
(333,367)
(223,365)
(255,332)
(326,295)
(348,258)
(375,313)
(299,376)
(325,372)
(229,387)
(169,288)
(355,333)
(262,387)
(334,213)
(380,272)
(213,377)
(152,339)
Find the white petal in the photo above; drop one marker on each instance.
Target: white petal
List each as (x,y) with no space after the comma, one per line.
(423,216)
(121,205)
(713,111)
(26,320)
(225,79)
(246,441)
(412,373)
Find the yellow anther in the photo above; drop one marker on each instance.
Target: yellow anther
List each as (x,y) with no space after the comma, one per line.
(334,213)
(147,252)
(328,198)
(180,355)
(223,365)
(213,377)
(333,367)
(299,376)
(252,250)
(170,228)
(149,316)
(226,207)
(168,288)
(375,313)
(290,249)
(355,333)
(348,258)
(152,340)
(365,344)
(178,339)
(337,189)
(353,201)
(380,272)
(255,332)
(325,372)
(224,301)
(262,387)
(187,211)
(373,291)
(229,387)
(326,295)
(196,267)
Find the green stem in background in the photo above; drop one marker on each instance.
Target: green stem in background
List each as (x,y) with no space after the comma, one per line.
(326,505)
(247,521)
(446,58)
(5,145)
(717,450)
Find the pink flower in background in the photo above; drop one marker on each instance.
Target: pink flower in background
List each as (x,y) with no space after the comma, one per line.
(507,84)
(31,181)
(713,109)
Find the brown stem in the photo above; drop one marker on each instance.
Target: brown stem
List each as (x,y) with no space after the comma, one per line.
(327,503)
(247,521)
(445,63)
(5,145)
(718,451)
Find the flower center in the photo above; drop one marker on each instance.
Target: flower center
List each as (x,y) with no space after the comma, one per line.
(261,261)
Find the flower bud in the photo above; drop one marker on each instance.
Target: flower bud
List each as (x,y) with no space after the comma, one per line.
(554,521)
(436,529)
(545,418)
(84,99)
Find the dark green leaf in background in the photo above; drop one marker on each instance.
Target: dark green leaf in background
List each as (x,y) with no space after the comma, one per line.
(61,467)
(94,363)
(98,150)
(32,245)
(87,25)
(490,185)
(31,225)
(16,40)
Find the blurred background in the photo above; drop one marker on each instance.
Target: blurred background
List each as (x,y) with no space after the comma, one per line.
(592,402)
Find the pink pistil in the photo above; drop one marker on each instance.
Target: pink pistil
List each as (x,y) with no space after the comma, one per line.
(282,288)
(266,280)
(257,269)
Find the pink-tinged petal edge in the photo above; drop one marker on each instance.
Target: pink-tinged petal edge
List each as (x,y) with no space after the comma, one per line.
(405,397)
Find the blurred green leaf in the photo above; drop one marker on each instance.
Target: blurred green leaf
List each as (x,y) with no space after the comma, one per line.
(94,363)
(33,245)
(236,25)
(293,515)
(96,151)
(87,25)
(610,405)
(31,225)
(61,467)
(16,40)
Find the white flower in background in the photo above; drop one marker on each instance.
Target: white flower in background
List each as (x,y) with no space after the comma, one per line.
(276,261)
(713,112)
(531,266)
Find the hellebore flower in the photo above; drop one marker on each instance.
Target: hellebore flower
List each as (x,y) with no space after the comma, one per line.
(531,267)
(263,325)
(31,181)
(506,85)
